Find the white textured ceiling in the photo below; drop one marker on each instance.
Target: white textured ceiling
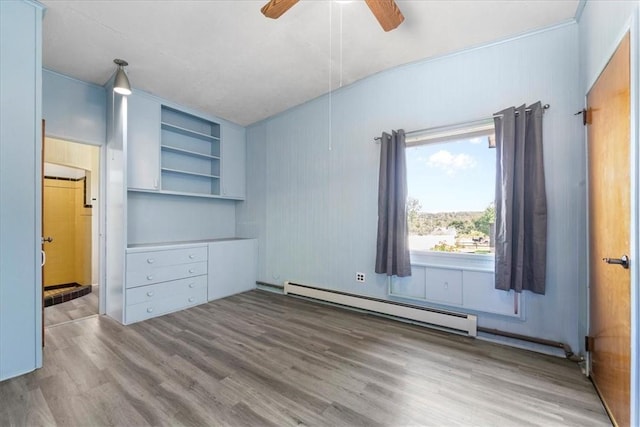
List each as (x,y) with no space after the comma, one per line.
(227,59)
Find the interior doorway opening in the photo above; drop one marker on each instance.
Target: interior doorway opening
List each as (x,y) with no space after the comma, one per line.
(70,211)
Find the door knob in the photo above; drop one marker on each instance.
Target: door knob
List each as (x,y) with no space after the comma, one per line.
(623,261)
(47,239)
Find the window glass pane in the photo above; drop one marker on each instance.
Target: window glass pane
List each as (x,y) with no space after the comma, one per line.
(451,193)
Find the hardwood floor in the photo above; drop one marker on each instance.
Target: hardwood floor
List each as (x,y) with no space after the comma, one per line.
(263,359)
(71,310)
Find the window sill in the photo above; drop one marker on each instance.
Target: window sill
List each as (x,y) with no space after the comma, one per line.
(458,261)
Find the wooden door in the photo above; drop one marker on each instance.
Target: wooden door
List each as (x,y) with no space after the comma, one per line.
(609,213)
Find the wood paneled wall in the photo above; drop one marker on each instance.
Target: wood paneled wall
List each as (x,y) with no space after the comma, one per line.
(313,170)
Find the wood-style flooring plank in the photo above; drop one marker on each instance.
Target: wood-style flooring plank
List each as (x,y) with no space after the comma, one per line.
(261,359)
(78,308)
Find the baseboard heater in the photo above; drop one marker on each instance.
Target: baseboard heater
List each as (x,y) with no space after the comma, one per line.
(460,322)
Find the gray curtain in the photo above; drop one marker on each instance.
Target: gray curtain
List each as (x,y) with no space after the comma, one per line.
(392,249)
(521,201)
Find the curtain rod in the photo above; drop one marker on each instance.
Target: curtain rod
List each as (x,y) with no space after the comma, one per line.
(528,110)
(544,107)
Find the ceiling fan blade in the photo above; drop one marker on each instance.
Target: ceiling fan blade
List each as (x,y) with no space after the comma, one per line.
(275,8)
(386,12)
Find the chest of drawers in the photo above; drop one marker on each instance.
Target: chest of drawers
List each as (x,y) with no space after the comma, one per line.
(163,280)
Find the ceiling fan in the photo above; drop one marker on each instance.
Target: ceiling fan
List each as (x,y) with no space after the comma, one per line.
(386,11)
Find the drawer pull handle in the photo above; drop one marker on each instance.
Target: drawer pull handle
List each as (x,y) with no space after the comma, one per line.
(191,256)
(192,270)
(151,260)
(150,310)
(192,299)
(149,294)
(149,277)
(192,285)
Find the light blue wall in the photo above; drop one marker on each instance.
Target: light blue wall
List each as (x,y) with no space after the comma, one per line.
(313,170)
(115,206)
(73,110)
(156,218)
(251,214)
(20,148)
(601,27)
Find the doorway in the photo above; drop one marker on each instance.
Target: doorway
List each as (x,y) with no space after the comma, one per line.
(609,171)
(70,209)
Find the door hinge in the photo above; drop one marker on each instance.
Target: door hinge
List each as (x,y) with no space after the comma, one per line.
(586,116)
(588,343)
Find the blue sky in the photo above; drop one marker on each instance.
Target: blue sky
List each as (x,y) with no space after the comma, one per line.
(452,176)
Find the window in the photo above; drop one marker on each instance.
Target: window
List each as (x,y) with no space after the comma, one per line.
(451,189)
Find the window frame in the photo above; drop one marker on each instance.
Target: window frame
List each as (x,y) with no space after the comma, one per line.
(443,134)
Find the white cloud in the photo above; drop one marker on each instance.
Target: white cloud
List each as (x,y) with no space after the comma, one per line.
(477,139)
(451,163)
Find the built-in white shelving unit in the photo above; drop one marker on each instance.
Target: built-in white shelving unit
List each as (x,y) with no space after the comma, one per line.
(190,153)
(176,152)
(161,149)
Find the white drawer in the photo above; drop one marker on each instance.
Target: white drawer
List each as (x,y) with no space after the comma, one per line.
(147,310)
(444,285)
(152,293)
(152,275)
(142,260)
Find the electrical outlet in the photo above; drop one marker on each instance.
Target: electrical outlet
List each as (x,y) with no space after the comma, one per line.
(360,277)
